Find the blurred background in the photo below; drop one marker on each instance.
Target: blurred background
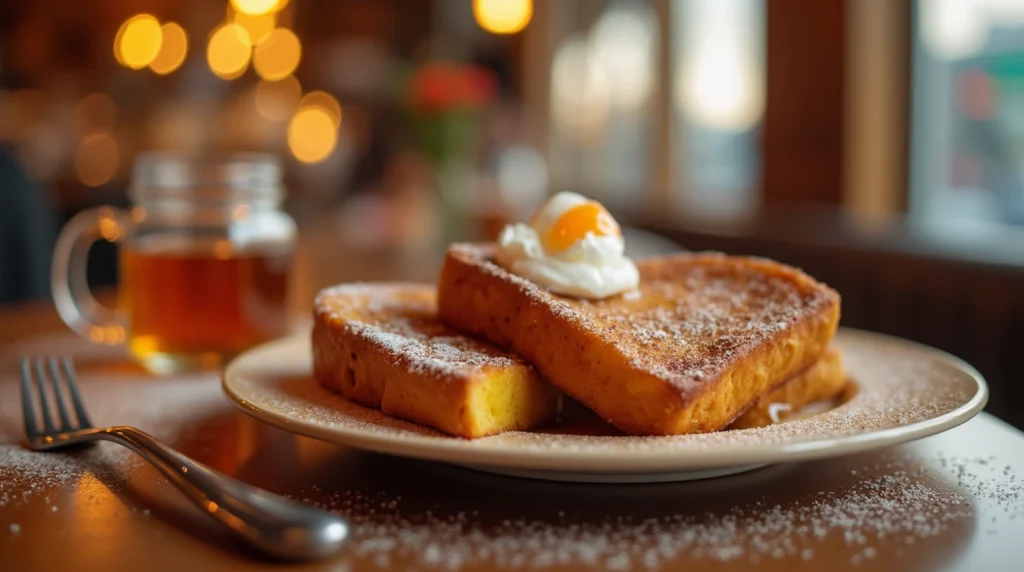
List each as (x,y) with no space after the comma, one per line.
(878,144)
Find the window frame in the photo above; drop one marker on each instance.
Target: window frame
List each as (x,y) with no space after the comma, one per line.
(849,148)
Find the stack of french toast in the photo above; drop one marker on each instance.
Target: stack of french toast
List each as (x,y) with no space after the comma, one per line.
(553,312)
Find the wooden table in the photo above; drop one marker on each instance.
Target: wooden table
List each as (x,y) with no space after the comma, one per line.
(954,501)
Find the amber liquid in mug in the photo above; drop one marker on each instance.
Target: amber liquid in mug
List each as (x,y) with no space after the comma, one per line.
(200,303)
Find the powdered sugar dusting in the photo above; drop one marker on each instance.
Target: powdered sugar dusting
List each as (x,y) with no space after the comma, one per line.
(871,509)
(400,320)
(425,346)
(689,322)
(709,321)
(876,508)
(886,508)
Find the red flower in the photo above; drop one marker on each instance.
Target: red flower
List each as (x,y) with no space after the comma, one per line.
(440,86)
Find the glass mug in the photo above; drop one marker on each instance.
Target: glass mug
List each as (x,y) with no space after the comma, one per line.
(205,254)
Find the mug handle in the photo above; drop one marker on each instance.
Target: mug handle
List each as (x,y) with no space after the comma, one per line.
(75,303)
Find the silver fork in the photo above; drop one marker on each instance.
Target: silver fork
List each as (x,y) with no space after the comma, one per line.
(269,523)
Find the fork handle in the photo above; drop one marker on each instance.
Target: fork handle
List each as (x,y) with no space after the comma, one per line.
(269,523)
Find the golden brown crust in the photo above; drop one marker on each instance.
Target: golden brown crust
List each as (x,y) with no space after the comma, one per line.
(381,345)
(824,380)
(701,339)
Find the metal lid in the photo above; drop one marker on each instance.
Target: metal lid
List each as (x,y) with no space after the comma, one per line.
(206,177)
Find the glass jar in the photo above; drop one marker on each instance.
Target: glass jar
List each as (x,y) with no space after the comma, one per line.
(205,254)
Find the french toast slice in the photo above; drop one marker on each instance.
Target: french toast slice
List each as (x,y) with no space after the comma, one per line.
(381,345)
(703,337)
(824,380)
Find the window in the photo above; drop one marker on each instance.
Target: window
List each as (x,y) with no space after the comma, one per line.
(967,158)
(718,102)
(602,78)
(653,101)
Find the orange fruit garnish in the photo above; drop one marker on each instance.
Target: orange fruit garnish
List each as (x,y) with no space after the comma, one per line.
(576,222)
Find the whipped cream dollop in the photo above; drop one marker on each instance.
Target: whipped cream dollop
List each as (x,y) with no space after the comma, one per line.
(571,246)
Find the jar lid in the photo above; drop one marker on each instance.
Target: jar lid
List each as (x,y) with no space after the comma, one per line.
(206,177)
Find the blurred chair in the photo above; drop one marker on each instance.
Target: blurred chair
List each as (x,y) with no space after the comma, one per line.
(28,229)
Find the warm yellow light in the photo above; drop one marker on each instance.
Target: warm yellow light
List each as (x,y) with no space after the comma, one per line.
(312,135)
(109,228)
(117,41)
(278,55)
(228,51)
(580,93)
(172,51)
(324,101)
(138,41)
(277,100)
(622,42)
(96,112)
(719,78)
(503,16)
(255,7)
(96,160)
(259,26)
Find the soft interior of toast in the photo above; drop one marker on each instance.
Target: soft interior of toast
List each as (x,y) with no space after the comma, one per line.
(511,398)
(385,348)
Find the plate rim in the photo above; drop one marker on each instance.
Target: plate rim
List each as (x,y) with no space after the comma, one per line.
(454,450)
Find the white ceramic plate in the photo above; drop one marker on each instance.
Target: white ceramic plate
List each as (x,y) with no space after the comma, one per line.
(905,391)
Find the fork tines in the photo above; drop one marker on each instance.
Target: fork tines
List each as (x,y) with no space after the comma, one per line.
(59,375)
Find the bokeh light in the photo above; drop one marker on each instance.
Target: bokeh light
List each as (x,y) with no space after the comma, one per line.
(229,51)
(977,94)
(96,160)
(522,176)
(117,42)
(720,79)
(622,42)
(312,135)
(256,7)
(278,55)
(719,93)
(1005,12)
(172,50)
(324,101)
(259,26)
(953,29)
(96,112)
(580,98)
(277,100)
(138,41)
(503,16)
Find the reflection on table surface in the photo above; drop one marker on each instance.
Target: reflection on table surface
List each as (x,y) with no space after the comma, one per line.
(954,500)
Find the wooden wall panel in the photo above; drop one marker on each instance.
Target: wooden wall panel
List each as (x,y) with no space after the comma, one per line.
(803,142)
